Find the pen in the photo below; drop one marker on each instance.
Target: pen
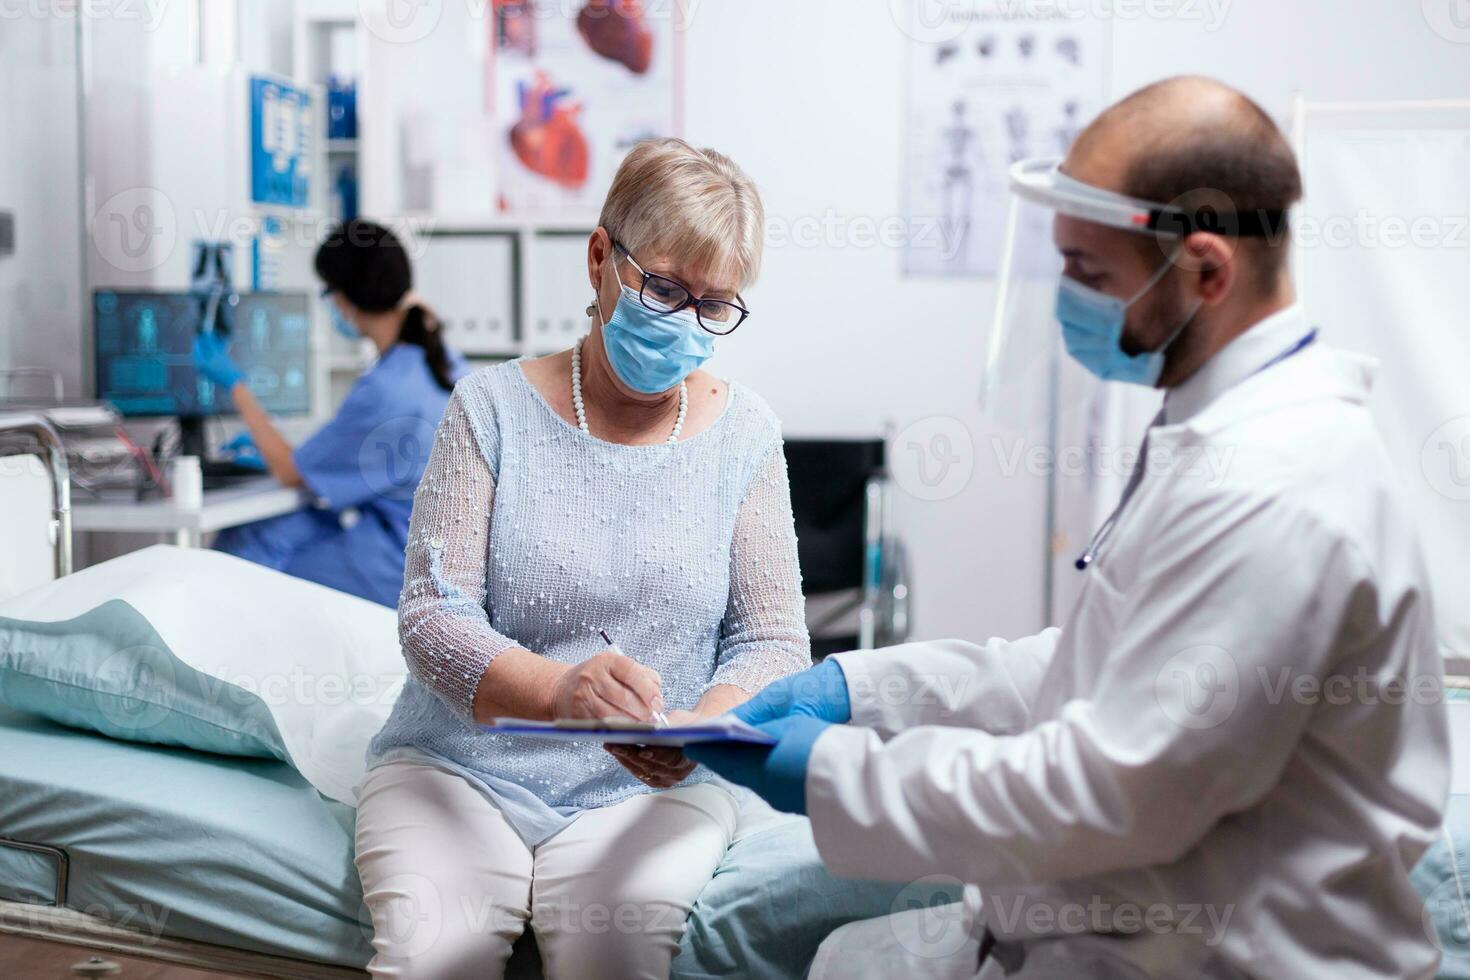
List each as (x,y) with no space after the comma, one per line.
(658,716)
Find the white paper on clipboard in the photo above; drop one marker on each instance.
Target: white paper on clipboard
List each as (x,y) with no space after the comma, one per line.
(614,731)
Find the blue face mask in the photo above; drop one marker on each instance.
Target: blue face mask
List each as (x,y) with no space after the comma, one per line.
(1092,328)
(341,324)
(653,352)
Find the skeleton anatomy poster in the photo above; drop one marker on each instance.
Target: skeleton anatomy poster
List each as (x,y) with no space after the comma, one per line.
(990,83)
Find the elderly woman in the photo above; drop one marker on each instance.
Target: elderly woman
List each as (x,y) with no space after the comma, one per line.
(614,486)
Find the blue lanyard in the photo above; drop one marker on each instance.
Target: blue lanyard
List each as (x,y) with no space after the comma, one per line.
(1291,351)
(1095,545)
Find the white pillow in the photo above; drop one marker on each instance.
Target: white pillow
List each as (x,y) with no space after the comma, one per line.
(324,664)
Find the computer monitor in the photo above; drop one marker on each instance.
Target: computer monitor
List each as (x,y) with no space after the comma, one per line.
(144,360)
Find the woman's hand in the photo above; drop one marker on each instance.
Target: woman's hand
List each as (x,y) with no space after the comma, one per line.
(658,766)
(212,359)
(608,685)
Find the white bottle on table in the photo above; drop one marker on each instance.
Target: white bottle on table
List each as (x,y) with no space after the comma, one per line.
(186,479)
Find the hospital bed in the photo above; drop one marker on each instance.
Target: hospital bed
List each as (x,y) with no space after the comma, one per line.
(239,864)
(228,864)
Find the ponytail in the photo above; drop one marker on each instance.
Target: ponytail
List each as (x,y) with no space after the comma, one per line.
(367,263)
(422,328)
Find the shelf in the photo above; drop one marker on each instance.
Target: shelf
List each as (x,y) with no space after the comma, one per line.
(492,223)
(342,363)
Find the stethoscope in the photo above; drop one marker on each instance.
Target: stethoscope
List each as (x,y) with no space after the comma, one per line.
(1094,547)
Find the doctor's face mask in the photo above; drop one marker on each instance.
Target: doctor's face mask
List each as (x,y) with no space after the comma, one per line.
(1110,320)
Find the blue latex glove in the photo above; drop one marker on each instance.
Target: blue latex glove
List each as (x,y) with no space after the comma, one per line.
(777,773)
(817,692)
(213,361)
(243,451)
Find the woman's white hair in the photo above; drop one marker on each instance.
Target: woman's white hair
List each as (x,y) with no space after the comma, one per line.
(689,205)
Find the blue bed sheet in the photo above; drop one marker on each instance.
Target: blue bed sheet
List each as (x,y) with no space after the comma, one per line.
(220,849)
(245,853)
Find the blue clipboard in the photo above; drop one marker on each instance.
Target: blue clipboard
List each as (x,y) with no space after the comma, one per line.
(616,732)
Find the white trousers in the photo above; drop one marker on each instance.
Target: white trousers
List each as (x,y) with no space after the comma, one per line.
(451,886)
(923,944)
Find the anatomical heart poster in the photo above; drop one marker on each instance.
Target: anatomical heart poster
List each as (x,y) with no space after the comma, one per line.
(991,82)
(576,84)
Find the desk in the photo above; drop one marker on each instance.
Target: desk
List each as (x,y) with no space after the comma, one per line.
(250,500)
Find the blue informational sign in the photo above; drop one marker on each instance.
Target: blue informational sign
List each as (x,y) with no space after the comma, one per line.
(281,134)
(266,249)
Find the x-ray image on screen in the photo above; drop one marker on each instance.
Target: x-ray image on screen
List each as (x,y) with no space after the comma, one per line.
(144,358)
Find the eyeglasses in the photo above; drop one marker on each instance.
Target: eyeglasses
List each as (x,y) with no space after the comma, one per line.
(665,296)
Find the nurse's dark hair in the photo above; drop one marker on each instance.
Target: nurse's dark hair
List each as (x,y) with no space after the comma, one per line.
(1202,144)
(367,264)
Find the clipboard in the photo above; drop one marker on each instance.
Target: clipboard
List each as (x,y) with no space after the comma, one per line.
(622,731)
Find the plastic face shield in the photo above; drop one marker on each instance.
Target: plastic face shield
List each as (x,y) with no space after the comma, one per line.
(1025,357)
(1046,207)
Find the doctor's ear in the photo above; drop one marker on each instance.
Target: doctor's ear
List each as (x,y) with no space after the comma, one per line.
(1214,259)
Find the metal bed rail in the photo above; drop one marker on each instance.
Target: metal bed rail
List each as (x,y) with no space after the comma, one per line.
(63,865)
(42,433)
(77,929)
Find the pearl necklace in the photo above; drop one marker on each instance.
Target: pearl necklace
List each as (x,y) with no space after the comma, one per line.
(582,409)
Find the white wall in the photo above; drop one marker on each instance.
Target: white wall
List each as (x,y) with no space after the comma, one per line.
(809,97)
(40,285)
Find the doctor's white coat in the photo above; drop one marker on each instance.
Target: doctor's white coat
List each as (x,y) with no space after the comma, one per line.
(1227,762)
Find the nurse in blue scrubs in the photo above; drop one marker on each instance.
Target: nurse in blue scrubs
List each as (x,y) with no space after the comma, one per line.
(361,469)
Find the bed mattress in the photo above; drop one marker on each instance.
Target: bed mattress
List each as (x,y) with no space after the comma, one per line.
(224,850)
(245,853)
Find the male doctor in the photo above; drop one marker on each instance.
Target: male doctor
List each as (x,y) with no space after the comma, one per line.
(1226,763)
